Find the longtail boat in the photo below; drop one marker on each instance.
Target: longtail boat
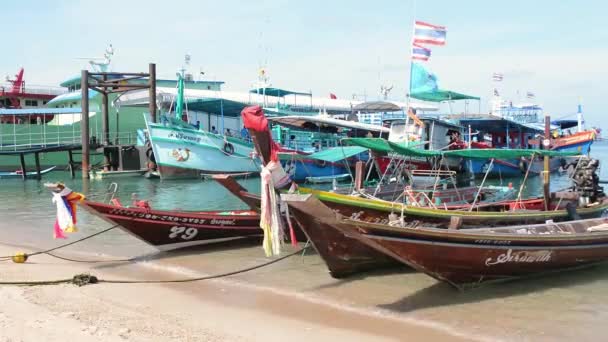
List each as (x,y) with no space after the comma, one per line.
(174,229)
(465,257)
(563,207)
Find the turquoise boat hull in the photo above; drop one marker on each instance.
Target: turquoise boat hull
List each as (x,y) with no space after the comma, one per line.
(178,148)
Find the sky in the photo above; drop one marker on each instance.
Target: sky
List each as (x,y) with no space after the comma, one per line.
(555,49)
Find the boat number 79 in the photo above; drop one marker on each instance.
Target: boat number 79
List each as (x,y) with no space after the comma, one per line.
(182,232)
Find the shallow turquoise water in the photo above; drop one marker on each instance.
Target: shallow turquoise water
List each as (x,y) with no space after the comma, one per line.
(562,307)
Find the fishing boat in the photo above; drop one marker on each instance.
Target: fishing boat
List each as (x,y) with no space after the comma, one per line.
(174,229)
(19,174)
(180,149)
(560,207)
(469,257)
(520,127)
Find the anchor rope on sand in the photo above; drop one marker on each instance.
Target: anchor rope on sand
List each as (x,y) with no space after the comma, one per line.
(85,279)
(48,251)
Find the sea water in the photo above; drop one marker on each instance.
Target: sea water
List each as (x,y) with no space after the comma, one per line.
(565,306)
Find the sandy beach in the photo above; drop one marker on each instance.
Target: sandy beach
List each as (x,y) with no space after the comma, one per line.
(175,312)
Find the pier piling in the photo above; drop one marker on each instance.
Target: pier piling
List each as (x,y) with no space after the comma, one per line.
(37,159)
(23,170)
(71,164)
(84,127)
(152,91)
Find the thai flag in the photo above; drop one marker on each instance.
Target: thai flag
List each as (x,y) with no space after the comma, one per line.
(429,34)
(497,76)
(530,95)
(420,52)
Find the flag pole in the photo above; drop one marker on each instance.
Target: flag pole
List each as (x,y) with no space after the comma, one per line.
(409,92)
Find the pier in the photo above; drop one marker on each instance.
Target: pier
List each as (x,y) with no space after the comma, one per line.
(107,83)
(36,131)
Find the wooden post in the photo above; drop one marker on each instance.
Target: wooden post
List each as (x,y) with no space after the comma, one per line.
(546,171)
(37,159)
(359,175)
(105,117)
(152,91)
(23,170)
(84,122)
(71,160)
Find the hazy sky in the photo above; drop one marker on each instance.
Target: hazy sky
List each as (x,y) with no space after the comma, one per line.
(556,49)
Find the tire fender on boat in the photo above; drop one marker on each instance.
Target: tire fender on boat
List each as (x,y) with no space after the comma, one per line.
(523,165)
(320,163)
(228,148)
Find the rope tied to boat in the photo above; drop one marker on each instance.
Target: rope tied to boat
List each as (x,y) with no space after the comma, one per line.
(86,279)
(26,256)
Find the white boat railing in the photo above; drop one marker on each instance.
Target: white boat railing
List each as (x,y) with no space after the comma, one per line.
(39,90)
(51,137)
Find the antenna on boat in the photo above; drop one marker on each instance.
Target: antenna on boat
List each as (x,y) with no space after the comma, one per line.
(384,91)
(101,64)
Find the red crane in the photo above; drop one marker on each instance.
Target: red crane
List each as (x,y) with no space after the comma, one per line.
(18,87)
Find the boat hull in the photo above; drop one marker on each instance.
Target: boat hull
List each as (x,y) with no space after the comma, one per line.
(168,230)
(301,169)
(481,255)
(343,255)
(510,168)
(464,264)
(182,148)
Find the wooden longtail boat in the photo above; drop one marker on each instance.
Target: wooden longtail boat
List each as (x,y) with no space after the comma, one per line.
(168,230)
(471,256)
(563,208)
(343,255)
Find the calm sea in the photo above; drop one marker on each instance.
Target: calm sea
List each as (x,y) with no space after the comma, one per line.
(559,307)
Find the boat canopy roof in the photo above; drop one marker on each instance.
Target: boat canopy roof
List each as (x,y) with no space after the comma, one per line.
(500,125)
(377,107)
(277,92)
(204,98)
(40,111)
(335,154)
(381,145)
(324,124)
(565,123)
(71,97)
(441,95)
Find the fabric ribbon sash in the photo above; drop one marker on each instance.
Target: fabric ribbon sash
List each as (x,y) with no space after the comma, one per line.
(65,221)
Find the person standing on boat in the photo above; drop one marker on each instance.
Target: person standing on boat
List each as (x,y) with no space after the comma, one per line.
(213,130)
(245,134)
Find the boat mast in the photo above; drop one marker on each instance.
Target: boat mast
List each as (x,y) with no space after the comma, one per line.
(546,177)
(579,117)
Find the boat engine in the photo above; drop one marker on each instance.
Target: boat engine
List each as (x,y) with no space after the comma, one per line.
(583,173)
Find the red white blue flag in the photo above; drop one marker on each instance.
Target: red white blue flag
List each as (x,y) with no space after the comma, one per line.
(420,52)
(425,33)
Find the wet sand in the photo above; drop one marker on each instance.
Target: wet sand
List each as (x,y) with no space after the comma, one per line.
(201,311)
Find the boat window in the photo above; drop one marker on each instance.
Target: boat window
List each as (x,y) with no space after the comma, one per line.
(33,103)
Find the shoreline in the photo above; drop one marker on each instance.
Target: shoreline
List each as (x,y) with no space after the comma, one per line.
(218,310)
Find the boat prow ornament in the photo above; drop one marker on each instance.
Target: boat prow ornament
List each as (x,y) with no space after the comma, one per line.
(181,155)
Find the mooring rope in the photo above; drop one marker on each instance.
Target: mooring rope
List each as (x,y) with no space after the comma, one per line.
(85,279)
(9,257)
